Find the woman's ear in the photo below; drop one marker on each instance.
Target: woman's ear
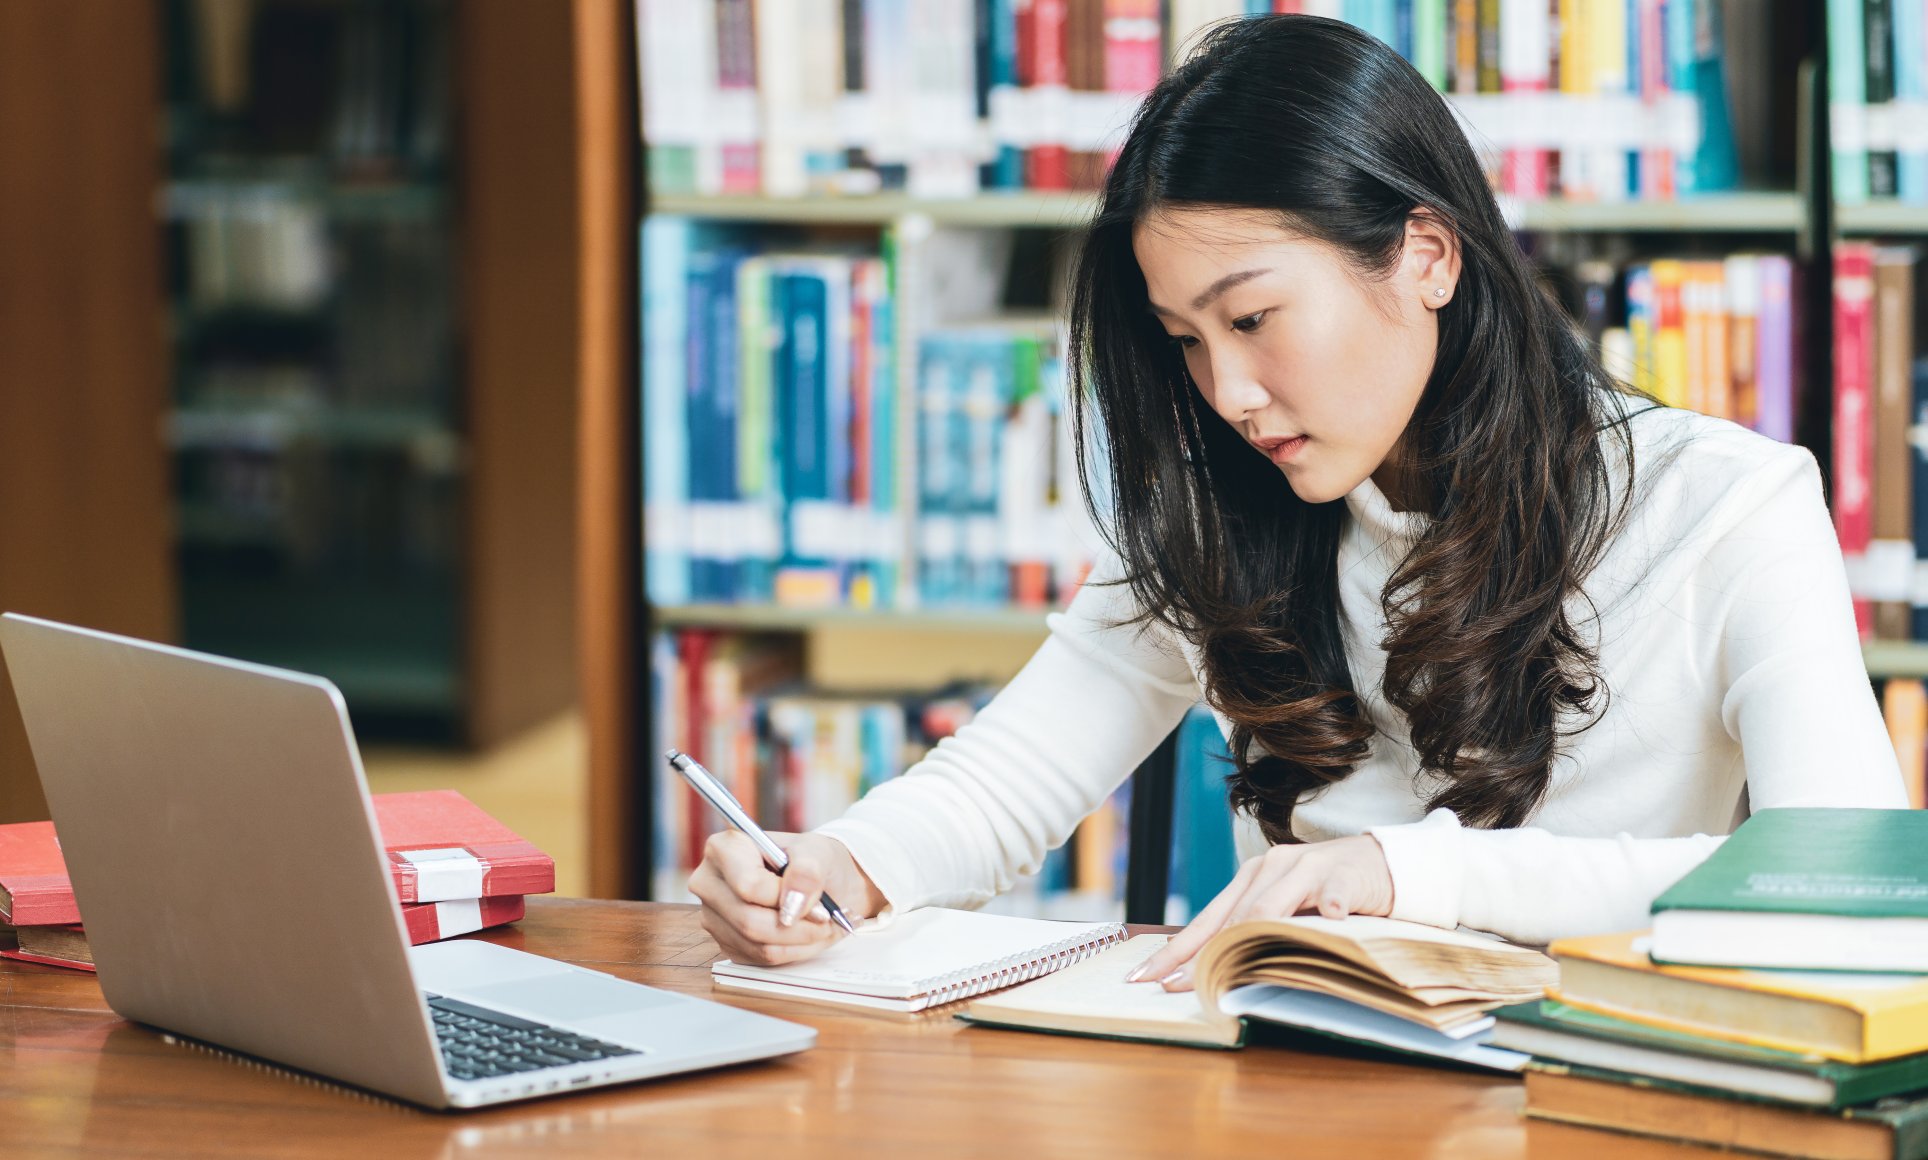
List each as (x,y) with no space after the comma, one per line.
(1431,259)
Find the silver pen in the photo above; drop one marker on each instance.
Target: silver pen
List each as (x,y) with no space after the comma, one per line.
(712,791)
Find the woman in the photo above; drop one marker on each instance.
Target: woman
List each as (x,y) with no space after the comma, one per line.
(1495,642)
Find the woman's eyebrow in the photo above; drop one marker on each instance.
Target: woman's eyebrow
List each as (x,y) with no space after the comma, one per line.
(1216,288)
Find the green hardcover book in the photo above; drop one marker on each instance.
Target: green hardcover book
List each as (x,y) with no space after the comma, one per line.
(1805,889)
(1555,1031)
(1889,1129)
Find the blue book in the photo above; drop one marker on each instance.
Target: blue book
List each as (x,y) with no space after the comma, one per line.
(989,384)
(803,419)
(883,435)
(725,371)
(1006,169)
(712,371)
(934,532)
(1847,81)
(1203,856)
(1911,84)
(1677,38)
(664,244)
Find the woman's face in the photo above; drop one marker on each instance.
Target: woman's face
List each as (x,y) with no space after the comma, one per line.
(1319,369)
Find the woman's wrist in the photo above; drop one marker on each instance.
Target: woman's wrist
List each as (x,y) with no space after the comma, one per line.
(853,889)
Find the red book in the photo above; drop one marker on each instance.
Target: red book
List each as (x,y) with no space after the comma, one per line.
(1048,163)
(440,845)
(1853,496)
(66,944)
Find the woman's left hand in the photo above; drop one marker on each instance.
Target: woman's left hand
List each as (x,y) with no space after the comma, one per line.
(1336,878)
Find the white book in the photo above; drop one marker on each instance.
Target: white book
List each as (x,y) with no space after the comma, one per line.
(926,958)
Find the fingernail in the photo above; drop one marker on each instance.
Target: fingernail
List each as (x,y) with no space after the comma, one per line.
(793,904)
(1176,976)
(1137,973)
(819,914)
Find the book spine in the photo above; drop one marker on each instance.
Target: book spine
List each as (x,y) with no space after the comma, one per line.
(1904,706)
(1641,324)
(736,97)
(1878,94)
(665,245)
(1910,24)
(1049,161)
(1669,335)
(1853,416)
(1741,285)
(1526,51)
(1847,112)
(1891,551)
(1918,480)
(1774,357)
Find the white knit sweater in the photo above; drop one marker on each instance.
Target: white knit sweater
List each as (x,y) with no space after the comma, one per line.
(1726,640)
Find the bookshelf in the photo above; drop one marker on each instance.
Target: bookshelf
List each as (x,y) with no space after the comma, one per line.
(1780,207)
(364,322)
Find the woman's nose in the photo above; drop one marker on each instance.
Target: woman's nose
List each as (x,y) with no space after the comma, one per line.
(1236,391)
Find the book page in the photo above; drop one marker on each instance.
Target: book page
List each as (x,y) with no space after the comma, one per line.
(1096,988)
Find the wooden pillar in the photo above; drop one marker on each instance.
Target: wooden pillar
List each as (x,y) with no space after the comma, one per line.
(85,513)
(609,519)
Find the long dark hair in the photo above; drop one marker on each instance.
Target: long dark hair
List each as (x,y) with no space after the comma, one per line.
(1329,127)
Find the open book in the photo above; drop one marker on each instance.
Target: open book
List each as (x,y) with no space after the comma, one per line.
(1379,981)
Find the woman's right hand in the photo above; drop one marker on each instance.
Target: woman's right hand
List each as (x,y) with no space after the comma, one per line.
(760,918)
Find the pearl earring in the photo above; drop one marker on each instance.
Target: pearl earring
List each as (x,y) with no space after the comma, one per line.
(1439,291)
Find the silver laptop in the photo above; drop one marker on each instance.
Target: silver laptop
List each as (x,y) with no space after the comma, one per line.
(217,826)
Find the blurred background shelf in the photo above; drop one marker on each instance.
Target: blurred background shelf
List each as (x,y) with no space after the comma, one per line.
(1024,622)
(1885,216)
(1895,658)
(1748,212)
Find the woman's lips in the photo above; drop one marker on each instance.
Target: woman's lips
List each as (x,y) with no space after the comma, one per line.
(1280,449)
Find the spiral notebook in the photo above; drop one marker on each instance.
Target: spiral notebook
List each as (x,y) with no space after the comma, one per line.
(926,958)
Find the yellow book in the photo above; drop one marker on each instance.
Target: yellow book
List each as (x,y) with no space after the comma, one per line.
(1904,703)
(1855,1018)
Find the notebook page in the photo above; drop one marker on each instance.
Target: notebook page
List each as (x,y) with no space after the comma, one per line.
(932,949)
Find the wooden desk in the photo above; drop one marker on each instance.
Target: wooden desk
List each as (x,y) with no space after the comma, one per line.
(75,1080)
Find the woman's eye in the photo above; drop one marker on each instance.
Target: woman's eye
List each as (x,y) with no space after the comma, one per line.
(1183,341)
(1249,323)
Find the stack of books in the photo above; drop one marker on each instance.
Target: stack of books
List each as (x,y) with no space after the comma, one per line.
(456,870)
(1778,1005)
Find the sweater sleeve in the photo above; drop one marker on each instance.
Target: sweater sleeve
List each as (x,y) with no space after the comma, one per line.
(985,805)
(1790,687)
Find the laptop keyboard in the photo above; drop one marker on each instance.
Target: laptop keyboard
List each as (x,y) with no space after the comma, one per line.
(478,1043)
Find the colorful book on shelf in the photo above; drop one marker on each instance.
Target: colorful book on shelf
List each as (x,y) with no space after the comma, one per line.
(1918,498)
(65,945)
(1890,1129)
(1846,1016)
(1401,986)
(1847,93)
(440,846)
(1558,1033)
(1853,494)
(1888,573)
(1805,889)
(1904,707)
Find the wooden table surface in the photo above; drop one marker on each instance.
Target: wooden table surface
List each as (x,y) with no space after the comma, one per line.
(76,1080)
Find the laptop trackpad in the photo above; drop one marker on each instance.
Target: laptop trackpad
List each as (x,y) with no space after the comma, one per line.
(575,997)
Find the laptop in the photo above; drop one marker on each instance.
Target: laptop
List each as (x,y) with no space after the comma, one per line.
(216,823)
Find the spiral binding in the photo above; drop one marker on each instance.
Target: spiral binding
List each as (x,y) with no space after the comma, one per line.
(302,1077)
(1013,969)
